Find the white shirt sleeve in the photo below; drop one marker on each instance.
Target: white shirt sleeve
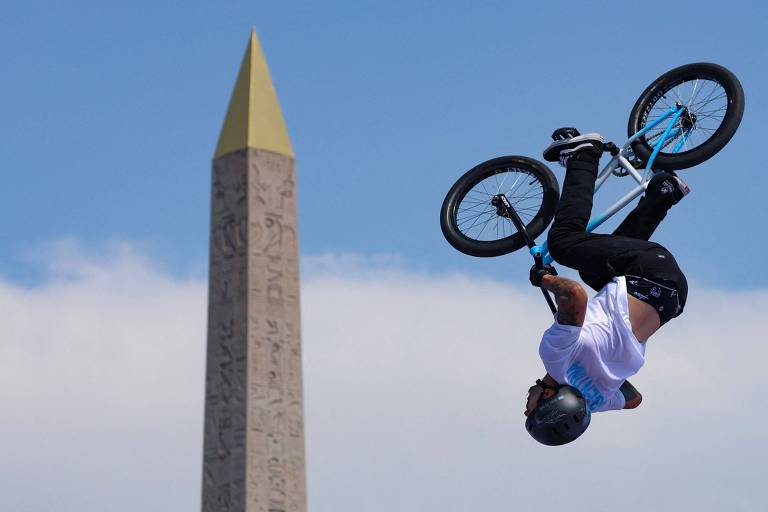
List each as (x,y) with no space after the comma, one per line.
(557,348)
(565,333)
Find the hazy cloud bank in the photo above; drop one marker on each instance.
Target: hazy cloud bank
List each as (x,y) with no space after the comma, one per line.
(414,387)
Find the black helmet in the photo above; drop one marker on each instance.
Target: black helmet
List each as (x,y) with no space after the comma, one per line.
(559,419)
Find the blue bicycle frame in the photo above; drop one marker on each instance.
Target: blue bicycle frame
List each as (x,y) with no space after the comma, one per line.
(620,160)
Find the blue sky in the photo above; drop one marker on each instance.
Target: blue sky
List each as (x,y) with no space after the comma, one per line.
(112,111)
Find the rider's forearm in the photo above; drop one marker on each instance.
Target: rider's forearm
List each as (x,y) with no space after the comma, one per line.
(571,299)
(558,285)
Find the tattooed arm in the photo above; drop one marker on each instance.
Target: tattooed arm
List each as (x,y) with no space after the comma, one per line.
(632,396)
(570,297)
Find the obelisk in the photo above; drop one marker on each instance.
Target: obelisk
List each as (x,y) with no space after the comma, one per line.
(253,458)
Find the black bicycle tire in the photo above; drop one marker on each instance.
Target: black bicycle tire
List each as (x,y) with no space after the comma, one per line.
(537,225)
(718,140)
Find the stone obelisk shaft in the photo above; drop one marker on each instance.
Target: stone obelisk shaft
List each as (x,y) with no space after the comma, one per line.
(254,436)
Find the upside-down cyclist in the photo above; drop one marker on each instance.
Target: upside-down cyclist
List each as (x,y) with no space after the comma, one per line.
(596,344)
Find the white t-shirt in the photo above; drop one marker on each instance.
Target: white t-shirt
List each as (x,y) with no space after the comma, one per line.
(599,356)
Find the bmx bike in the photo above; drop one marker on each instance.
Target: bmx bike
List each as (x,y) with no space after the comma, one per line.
(681,119)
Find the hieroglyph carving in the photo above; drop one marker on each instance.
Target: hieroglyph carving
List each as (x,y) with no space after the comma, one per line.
(275,428)
(254,433)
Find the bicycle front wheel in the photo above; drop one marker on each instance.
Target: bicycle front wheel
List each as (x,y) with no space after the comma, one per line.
(474,226)
(713,102)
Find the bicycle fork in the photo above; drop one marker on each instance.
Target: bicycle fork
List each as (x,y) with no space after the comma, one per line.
(505,209)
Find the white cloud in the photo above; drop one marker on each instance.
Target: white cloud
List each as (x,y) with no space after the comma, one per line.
(414,391)
(100,386)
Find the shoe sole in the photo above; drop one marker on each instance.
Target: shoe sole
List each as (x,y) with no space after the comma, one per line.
(682,186)
(570,145)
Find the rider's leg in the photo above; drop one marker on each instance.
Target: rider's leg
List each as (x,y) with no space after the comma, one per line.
(597,257)
(664,191)
(658,265)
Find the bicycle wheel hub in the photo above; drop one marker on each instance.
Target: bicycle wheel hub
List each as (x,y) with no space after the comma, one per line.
(502,205)
(687,119)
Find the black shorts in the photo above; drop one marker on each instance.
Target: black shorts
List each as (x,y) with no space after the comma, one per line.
(658,281)
(652,276)
(663,298)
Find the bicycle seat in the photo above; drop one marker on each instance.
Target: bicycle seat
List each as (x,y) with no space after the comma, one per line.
(565,133)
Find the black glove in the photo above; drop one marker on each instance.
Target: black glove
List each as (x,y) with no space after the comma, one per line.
(537,274)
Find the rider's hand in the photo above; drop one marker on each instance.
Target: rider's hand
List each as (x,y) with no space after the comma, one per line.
(537,274)
(533,399)
(536,393)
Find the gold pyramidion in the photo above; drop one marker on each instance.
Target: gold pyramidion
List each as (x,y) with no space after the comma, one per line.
(254,118)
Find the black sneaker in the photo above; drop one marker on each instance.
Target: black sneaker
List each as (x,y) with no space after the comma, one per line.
(565,147)
(670,183)
(682,187)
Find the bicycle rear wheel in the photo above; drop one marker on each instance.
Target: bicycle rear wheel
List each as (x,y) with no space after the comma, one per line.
(474,226)
(714,104)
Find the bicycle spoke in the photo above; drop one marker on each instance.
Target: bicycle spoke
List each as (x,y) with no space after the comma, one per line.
(468,216)
(664,99)
(486,190)
(477,218)
(713,116)
(502,182)
(708,112)
(484,226)
(709,100)
(527,196)
(677,94)
(477,209)
(518,183)
(693,95)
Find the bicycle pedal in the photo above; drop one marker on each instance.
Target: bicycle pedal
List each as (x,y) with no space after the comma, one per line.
(565,133)
(610,147)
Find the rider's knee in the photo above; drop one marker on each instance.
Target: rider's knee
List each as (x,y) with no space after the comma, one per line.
(663,266)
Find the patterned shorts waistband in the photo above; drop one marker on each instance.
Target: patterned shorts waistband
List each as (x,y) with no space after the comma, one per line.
(663,298)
